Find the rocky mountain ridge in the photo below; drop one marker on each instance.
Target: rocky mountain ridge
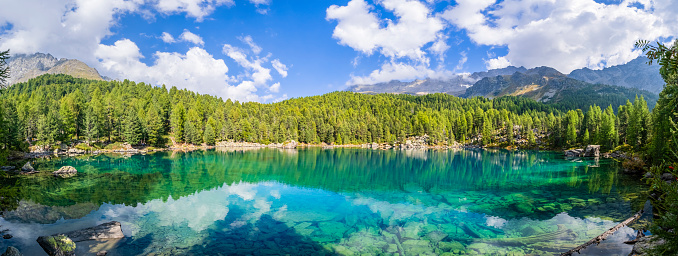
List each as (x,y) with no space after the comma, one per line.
(635,74)
(23,67)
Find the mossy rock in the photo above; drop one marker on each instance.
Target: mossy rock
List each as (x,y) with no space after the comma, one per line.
(58,245)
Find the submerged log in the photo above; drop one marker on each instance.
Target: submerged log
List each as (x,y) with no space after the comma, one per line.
(604,235)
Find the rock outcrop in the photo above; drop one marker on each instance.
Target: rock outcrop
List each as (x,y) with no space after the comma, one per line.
(11,251)
(590,151)
(28,169)
(66,172)
(643,246)
(57,245)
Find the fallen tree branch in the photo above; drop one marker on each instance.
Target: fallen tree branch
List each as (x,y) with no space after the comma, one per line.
(604,235)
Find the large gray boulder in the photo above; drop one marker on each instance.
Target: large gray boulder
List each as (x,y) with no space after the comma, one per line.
(28,169)
(592,151)
(108,230)
(57,245)
(66,172)
(11,251)
(644,245)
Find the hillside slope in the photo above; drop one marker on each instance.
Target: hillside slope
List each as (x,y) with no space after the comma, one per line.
(25,67)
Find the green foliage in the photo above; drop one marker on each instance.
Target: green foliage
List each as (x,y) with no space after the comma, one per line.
(62,108)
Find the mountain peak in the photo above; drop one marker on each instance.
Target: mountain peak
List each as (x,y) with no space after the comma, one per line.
(26,66)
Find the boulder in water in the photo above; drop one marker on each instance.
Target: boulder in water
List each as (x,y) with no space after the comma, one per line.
(66,172)
(11,251)
(592,151)
(108,230)
(57,245)
(28,169)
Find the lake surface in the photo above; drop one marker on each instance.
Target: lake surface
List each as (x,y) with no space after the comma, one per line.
(328,202)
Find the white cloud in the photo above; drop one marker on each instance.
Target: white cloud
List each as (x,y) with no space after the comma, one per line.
(275,87)
(499,62)
(402,41)
(279,67)
(250,42)
(187,36)
(399,71)
(70,28)
(564,34)
(360,29)
(196,70)
(167,38)
(197,9)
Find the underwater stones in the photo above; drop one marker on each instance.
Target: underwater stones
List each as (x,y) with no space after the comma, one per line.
(436,236)
(65,172)
(644,245)
(332,227)
(7,236)
(453,246)
(342,250)
(11,251)
(411,230)
(59,245)
(523,207)
(351,220)
(417,247)
(108,230)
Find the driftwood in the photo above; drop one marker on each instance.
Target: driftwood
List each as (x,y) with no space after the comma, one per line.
(639,235)
(604,235)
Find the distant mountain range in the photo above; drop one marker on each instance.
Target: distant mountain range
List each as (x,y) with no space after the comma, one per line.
(454,86)
(635,74)
(24,67)
(583,86)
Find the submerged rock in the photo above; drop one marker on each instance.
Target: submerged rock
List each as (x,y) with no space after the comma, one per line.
(58,245)
(66,172)
(11,251)
(108,230)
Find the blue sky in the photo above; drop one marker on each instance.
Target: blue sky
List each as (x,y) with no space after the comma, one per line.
(270,50)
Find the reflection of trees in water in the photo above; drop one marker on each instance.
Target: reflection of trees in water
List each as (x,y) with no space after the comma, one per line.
(139,178)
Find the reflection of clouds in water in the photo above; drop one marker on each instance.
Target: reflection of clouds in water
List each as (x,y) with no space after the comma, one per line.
(243,189)
(496,222)
(417,153)
(275,194)
(198,211)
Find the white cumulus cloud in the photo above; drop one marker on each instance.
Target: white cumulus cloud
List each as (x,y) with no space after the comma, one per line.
(187,36)
(197,9)
(402,40)
(564,34)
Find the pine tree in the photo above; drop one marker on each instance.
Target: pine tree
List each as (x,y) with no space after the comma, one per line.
(177,120)
(209,136)
(509,132)
(486,131)
(154,127)
(585,139)
(132,131)
(530,138)
(91,126)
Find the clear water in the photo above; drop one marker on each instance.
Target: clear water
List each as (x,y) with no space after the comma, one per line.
(328,202)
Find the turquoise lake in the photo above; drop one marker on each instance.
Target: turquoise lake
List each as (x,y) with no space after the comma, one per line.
(327,202)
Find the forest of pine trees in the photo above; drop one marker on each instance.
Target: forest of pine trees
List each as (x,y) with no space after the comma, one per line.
(61,109)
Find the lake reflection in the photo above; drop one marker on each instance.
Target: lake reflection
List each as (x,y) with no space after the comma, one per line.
(339,201)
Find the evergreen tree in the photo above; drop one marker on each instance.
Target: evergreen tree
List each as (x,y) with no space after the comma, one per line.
(585,139)
(132,127)
(209,136)
(154,127)
(530,138)
(509,132)
(177,120)
(91,126)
